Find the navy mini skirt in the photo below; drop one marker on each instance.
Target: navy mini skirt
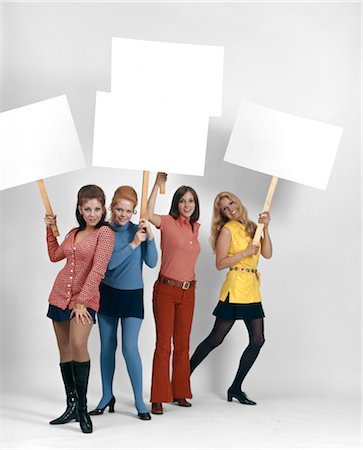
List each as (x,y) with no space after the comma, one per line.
(121,302)
(238,311)
(60,315)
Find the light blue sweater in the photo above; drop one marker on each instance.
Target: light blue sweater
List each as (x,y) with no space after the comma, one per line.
(124,270)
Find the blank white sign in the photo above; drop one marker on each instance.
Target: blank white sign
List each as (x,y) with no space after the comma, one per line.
(139,136)
(38,141)
(283,145)
(168,71)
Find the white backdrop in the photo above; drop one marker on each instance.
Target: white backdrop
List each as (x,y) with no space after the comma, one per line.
(300,58)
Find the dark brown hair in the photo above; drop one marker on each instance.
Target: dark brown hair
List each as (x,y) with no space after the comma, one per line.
(90,192)
(174,211)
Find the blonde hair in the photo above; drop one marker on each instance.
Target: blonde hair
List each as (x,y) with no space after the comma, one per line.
(219,219)
(126,193)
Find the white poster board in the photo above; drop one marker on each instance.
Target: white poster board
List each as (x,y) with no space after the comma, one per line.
(153,71)
(38,141)
(283,145)
(145,136)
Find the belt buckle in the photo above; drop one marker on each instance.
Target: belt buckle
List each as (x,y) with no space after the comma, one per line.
(186,285)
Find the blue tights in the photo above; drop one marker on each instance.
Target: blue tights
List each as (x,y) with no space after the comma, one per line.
(130,327)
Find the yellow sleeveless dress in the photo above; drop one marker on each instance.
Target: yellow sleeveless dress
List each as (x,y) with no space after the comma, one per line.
(243,286)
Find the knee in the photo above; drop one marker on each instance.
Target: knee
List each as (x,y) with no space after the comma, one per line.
(181,348)
(163,347)
(108,353)
(129,349)
(108,343)
(78,347)
(64,348)
(257,342)
(110,348)
(215,341)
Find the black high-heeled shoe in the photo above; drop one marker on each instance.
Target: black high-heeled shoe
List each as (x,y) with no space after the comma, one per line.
(99,411)
(144,416)
(240,396)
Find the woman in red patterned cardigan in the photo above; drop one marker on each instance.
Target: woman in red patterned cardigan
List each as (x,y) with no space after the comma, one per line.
(74,299)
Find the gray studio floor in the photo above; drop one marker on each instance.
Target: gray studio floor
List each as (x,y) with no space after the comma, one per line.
(276,422)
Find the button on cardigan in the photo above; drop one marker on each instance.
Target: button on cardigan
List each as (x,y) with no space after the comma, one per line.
(78,281)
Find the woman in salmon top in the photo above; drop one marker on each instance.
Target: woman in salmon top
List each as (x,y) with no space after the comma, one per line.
(75,296)
(174,292)
(239,298)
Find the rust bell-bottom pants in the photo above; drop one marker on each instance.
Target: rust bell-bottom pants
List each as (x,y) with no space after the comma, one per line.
(173,312)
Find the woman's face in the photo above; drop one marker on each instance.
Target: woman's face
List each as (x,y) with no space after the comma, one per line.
(229,209)
(186,205)
(122,211)
(91,211)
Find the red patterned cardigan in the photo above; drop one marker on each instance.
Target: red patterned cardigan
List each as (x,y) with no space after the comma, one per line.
(78,281)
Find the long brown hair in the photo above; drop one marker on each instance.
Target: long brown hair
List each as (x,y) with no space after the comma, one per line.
(219,219)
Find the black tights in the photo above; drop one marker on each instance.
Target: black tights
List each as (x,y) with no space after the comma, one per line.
(219,332)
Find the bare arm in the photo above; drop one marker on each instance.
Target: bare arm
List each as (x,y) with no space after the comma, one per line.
(266,244)
(223,243)
(155,219)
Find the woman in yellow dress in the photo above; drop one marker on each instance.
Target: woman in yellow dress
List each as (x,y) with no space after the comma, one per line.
(239,298)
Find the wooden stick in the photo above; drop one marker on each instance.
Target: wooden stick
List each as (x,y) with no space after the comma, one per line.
(162,188)
(266,207)
(144,193)
(48,208)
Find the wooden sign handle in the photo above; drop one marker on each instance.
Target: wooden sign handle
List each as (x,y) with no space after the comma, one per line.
(266,207)
(48,208)
(144,194)
(162,188)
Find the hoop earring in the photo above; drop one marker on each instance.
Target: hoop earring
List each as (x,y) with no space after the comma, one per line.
(135,211)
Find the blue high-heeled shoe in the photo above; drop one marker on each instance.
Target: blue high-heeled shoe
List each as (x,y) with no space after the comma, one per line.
(99,411)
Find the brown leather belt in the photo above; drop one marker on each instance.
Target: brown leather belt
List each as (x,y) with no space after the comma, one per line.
(180,284)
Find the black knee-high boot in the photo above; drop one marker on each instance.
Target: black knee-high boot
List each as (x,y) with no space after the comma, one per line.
(71,411)
(81,375)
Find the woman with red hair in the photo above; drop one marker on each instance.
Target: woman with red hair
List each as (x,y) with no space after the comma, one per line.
(122,298)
